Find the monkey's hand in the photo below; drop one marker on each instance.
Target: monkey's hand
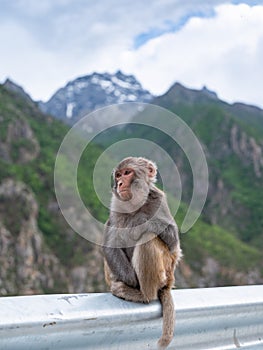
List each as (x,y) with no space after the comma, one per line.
(131,279)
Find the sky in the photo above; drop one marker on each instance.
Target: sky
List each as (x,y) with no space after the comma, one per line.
(217,44)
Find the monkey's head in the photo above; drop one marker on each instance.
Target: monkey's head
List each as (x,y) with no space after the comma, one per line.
(133,179)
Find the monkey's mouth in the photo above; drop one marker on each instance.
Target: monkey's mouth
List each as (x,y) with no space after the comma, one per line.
(124,190)
(125,194)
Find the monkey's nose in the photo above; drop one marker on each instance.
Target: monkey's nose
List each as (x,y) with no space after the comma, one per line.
(120,184)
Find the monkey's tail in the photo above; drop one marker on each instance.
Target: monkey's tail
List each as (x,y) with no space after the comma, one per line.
(166,300)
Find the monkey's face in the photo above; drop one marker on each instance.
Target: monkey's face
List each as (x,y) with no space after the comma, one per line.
(123,181)
(133,179)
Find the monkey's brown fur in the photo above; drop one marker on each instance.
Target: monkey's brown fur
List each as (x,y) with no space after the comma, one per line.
(144,272)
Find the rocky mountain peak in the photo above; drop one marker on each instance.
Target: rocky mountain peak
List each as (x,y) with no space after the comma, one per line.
(181,94)
(91,92)
(209,93)
(12,86)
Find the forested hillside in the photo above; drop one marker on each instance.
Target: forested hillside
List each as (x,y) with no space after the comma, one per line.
(232,137)
(39,252)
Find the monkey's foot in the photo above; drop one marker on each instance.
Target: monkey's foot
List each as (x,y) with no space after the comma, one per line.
(121,290)
(118,290)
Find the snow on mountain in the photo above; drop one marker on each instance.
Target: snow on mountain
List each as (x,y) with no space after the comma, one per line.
(91,92)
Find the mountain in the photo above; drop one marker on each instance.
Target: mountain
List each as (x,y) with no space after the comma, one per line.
(27,265)
(40,252)
(11,86)
(179,98)
(88,93)
(232,137)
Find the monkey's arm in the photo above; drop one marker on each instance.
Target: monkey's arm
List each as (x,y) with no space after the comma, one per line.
(170,237)
(166,227)
(116,258)
(120,266)
(166,230)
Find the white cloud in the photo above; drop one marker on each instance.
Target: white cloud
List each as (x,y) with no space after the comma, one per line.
(43,45)
(223,52)
(60,40)
(25,61)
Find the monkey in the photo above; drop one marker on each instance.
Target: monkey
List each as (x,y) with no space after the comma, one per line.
(141,241)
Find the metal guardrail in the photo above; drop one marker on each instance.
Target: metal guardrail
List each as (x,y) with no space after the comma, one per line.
(213,318)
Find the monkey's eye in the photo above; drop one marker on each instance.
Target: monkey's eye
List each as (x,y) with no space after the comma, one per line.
(118,175)
(127,172)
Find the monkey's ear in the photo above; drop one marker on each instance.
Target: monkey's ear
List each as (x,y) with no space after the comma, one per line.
(152,171)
